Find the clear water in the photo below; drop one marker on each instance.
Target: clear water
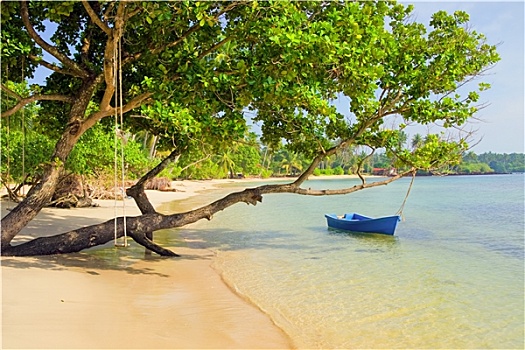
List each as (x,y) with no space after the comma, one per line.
(451,277)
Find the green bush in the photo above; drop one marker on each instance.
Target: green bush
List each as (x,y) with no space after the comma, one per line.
(95,154)
(136,161)
(339,171)
(206,169)
(24,153)
(266,173)
(172,172)
(328,171)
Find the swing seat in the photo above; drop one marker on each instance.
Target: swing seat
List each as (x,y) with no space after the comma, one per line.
(359,223)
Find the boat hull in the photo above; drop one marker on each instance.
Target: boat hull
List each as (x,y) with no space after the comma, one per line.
(359,223)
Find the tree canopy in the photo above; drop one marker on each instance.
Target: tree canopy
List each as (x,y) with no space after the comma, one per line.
(189,71)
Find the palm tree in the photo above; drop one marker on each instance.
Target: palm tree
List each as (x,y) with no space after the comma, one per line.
(290,162)
(149,142)
(402,140)
(417,141)
(226,163)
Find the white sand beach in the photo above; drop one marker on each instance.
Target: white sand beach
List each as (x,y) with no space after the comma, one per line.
(81,301)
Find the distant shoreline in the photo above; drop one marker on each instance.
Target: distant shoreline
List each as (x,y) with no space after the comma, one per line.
(471,174)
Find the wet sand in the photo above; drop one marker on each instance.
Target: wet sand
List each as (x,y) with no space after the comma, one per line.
(99,301)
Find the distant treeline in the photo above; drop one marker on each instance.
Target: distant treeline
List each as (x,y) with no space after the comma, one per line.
(23,150)
(492,163)
(471,163)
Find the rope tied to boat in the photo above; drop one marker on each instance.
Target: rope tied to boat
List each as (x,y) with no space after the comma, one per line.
(402,207)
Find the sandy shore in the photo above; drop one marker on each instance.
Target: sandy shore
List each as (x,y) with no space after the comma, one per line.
(119,299)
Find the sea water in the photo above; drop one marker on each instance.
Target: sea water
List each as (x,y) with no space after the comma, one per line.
(451,277)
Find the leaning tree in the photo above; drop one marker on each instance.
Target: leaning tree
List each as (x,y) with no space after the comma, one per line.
(188,72)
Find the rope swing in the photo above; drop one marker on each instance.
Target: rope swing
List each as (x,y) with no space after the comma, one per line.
(23,137)
(8,142)
(117,67)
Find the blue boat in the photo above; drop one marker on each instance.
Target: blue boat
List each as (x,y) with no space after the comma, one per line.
(359,223)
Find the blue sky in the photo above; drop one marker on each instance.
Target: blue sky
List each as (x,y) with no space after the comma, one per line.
(502,126)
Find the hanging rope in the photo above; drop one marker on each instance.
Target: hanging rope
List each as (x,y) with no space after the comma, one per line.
(8,148)
(122,143)
(115,152)
(23,137)
(8,142)
(117,69)
(402,207)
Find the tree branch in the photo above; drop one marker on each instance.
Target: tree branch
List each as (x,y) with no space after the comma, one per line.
(304,176)
(66,61)
(108,92)
(309,171)
(173,156)
(110,69)
(156,50)
(25,101)
(196,162)
(214,47)
(147,243)
(53,67)
(360,164)
(137,227)
(11,93)
(310,192)
(137,192)
(94,17)
(109,10)
(108,111)
(132,13)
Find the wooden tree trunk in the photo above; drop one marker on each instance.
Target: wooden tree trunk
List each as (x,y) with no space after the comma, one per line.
(36,199)
(42,193)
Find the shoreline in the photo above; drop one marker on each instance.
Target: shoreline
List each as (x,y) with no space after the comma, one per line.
(83,300)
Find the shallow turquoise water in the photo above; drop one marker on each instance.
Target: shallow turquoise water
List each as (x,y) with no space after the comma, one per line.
(451,277)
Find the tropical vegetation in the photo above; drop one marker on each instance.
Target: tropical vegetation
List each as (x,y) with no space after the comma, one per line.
(94,157)
(177,80)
